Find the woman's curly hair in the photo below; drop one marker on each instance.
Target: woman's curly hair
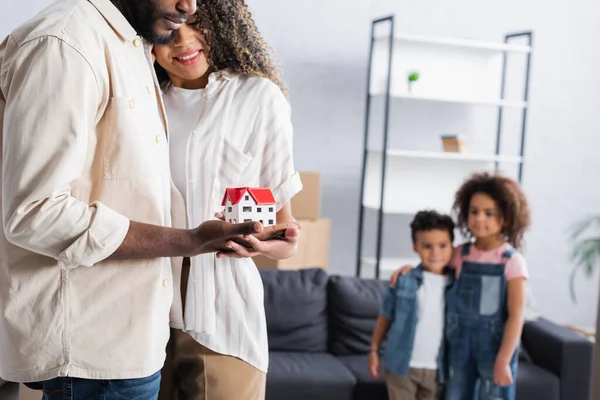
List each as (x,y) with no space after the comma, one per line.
(235,41)
(509,198)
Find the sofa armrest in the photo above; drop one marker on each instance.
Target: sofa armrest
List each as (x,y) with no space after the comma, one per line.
(562,352)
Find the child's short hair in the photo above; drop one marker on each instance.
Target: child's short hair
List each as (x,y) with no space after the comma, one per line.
(429,220)
(509,198)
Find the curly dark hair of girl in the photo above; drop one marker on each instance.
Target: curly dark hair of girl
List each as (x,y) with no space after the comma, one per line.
(234,41)
(509,198)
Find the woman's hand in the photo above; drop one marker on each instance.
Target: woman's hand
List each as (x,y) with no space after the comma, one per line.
(277,249)
(263,243)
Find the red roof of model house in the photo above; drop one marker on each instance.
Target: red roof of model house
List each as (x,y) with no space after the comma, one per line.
(260,195)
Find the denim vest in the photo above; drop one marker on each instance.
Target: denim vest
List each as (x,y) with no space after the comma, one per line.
(401,306)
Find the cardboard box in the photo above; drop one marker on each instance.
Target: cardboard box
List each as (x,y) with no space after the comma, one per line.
(307,203)
(313,248)
(454,144)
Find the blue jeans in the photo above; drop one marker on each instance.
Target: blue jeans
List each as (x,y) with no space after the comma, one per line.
(90,389)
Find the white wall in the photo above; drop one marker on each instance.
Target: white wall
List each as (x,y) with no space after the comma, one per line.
(14,12)
(323,50)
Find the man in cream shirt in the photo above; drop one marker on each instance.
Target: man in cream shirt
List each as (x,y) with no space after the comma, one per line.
(85,275)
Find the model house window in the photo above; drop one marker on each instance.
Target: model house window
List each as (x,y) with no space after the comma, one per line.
(270,209)
(247,220)
(247,209)
(261,221)
(259,209)
(229,209)
(247,197)
(270,222)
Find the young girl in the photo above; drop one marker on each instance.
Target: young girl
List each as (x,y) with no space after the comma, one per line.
(485,308)
(230,126)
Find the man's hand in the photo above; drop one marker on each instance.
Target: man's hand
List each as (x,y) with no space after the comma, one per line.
(149,241)
(263,243)
(401,271)
(216,235)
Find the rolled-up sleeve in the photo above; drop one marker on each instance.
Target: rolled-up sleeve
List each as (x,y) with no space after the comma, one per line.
(52,101)
(277,168)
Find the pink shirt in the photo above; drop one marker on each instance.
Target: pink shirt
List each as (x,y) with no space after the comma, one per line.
(516,267)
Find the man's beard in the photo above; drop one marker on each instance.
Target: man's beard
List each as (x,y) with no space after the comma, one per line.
(143,16)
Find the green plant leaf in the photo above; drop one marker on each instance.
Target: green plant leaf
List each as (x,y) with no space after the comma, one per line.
(587,253)
(589,222)
(586,250)
(572,283)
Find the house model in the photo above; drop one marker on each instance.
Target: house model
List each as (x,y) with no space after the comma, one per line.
(245,204)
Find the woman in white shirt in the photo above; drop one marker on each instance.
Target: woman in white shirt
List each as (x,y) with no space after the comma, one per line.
(230,126)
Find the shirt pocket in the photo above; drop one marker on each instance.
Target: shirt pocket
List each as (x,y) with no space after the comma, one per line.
(233,164)
(405,299)
(129,141)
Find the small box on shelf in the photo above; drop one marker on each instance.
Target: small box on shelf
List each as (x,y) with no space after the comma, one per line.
(453,144)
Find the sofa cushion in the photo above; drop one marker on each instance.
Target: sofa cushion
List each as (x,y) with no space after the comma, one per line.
(9,391)
(354,305)
(534,382)
(367,387)
(305,376)
(296,309)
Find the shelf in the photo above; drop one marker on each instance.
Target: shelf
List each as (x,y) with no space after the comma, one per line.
(417,180)
(458,71)
(440,155)
(387,265)
(473,101)
(457,77)
(459,42)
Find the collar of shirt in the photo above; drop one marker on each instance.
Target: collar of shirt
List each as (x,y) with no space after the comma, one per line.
(215,80)
(115,19)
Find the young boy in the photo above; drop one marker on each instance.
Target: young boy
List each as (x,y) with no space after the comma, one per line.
(413,315)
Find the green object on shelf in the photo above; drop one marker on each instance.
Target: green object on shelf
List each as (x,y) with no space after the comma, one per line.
(412,77)
(586,252)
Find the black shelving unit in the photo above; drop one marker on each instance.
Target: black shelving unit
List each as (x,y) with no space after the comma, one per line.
(389,20)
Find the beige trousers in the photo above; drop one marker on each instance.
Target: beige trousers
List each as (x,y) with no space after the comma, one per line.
(420,384)
(194,372)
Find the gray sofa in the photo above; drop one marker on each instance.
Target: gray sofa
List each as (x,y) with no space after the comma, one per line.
(319,330)
(320,327)
(8,390)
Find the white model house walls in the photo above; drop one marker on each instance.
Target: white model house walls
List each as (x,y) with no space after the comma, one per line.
(250,204)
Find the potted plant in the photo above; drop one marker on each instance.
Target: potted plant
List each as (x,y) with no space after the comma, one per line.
(412,77)
(586,250)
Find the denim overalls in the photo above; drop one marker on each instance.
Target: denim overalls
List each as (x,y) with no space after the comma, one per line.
(475,321)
